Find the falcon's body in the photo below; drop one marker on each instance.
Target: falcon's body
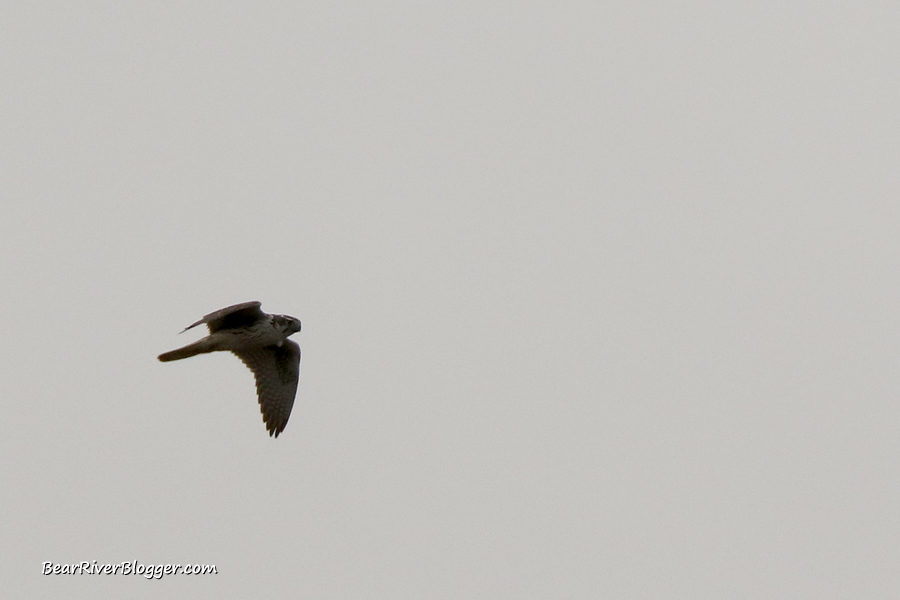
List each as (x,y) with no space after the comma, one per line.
(260,341)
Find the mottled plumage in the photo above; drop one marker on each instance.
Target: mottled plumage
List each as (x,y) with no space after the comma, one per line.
(260,341)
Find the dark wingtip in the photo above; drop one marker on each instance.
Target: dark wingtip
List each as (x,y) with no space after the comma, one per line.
(275,430)
(190,326)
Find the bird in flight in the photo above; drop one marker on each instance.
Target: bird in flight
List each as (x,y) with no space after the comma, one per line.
(261,342)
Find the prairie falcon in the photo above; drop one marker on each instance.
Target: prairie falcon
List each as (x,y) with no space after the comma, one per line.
(260,341)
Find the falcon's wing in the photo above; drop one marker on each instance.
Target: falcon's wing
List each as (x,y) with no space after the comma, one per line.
(277,369)
(239,315)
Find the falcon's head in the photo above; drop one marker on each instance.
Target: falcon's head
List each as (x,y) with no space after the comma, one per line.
(288,325)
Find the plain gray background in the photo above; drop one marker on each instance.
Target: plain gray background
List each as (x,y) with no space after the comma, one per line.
(599,300)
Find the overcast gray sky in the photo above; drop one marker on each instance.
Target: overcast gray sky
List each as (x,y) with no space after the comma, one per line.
(599,300)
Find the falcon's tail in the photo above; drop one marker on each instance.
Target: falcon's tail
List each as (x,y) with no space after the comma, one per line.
(199,347)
